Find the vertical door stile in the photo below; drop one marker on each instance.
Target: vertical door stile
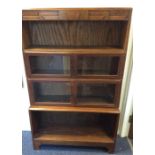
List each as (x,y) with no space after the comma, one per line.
(73,72)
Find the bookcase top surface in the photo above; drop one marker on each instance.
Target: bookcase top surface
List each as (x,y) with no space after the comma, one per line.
(85,8)
(77,14)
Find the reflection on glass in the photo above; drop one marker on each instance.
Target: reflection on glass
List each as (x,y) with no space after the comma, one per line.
(50,64)
(51,91)
(102,65)
(96,93)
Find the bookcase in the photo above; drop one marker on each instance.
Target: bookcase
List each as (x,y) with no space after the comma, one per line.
(74,62)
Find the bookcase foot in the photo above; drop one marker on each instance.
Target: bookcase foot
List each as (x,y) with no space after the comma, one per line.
(36,145)
(111,149)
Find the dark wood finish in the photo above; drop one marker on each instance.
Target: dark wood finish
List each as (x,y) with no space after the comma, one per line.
(117,56)
(130,134)
(77,34)
(74,109)
(73,92)
(77,14)
(73,98)
(61,79)
(74,128)
(26,34)
(90,45)
(81,51)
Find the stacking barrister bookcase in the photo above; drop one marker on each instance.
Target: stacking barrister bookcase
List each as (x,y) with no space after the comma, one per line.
(74,62)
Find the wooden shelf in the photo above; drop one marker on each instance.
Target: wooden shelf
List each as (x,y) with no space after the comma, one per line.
(68,79)
(81,51)
(74,109)
(69,134)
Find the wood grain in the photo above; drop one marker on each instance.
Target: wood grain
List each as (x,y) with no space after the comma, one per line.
(77,33)
(80,80)
(74,134)
(74,109)
(73,95)
(57,127)
(72,51)
(77,14)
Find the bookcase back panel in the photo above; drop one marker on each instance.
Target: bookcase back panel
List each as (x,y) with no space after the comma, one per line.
(76,34)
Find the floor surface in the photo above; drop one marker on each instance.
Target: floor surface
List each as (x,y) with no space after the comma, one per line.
(122,148)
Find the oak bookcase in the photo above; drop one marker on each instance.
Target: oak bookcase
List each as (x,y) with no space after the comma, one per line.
(74,62)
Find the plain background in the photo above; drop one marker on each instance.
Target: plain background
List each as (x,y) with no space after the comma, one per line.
(11,67)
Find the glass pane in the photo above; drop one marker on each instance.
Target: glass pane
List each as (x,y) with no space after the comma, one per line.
(50,64)
(97,65)
(51,91)
(96,93)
